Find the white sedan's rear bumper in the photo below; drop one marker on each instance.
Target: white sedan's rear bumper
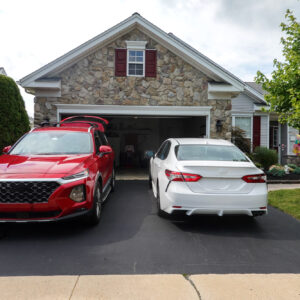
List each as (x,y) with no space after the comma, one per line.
(178,197)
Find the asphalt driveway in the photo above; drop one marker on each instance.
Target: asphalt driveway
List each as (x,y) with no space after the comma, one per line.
(131,239)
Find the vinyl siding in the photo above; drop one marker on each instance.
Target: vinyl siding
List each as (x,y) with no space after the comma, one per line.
(264,130)
(292,137)
(242,103)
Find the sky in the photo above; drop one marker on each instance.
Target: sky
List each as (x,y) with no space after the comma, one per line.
(242,36)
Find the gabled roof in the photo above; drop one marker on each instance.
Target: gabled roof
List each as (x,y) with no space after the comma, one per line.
(171,42)
(256,92)
(46,76)
(257,87)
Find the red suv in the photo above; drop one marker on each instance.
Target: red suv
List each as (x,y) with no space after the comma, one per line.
(56,173)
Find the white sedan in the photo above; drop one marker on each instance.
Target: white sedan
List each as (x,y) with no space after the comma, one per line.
(206,176)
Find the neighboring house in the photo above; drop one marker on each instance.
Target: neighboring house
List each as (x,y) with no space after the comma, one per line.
(262,127)
(149,84)
(2,71)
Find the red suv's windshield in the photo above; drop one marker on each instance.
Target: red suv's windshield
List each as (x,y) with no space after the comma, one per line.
(54,142)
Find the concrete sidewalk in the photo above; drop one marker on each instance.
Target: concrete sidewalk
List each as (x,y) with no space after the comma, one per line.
(204,287)
(283,186)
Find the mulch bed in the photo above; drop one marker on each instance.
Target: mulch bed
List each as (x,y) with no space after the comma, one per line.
(287,177)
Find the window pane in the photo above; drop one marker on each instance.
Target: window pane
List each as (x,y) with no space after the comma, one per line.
(209,152)
(139,72)
(54,142)
(139,53)
(244,123)
(138,58)
(131,53)
(135,69)
(131,58)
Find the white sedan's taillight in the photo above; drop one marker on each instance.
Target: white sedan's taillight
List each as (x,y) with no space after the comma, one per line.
(178,176)
(258,178)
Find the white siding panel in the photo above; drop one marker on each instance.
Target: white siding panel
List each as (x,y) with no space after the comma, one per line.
(292,133)
(264,134)
(242,103)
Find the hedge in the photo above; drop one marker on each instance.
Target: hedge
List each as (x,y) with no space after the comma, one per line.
(14,121)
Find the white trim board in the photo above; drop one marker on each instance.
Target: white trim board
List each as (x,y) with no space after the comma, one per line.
(133,110)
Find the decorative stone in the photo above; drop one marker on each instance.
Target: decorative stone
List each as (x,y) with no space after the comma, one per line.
(92,81)
(196,96)
(179,93)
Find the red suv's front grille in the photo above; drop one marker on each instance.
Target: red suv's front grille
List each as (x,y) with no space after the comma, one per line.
(26,191)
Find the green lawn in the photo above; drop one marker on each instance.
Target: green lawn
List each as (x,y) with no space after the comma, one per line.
(287,201)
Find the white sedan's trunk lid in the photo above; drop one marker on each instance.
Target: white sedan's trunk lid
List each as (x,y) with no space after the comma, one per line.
(219,177)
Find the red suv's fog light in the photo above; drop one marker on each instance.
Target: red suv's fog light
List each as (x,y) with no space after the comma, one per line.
(78,193)
(258,178)
(178,176)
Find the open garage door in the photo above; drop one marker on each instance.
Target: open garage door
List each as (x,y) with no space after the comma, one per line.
(134,138)
(135,133)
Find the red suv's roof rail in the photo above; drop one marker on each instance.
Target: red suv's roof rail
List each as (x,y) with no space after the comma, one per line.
(91,120)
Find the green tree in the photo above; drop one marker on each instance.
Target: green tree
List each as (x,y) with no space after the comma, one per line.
(14,120)
(284,87)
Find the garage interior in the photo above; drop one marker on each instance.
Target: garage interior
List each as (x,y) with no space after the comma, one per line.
(136,138)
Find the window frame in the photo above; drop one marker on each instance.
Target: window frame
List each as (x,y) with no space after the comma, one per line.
(136,63)
(240,115)
(136,46)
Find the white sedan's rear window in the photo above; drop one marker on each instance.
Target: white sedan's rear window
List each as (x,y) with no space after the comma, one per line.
(209,152)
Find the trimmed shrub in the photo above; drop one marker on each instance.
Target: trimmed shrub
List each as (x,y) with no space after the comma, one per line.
(258,165)
(276,171)
(266,157)
(297,171)
(239,139)
(14,120)
(292,166)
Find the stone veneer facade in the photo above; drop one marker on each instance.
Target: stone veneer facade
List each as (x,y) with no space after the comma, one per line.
(92,81)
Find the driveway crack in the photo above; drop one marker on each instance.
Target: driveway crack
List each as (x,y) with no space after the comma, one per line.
(188,278)
(74,287)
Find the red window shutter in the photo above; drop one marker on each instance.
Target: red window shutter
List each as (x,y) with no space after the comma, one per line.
(256,131)
(150,69)
(120,62)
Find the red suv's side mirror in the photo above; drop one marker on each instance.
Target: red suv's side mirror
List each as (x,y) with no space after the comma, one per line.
(105,150)
(6,149)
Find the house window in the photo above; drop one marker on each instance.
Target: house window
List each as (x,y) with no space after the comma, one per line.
(275,137)
(136,62)
(244,123)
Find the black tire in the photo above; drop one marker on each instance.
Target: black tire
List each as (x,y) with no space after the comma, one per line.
(113,181)
(160,212)
(94,216)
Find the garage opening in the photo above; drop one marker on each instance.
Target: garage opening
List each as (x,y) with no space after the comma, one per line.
(136,138)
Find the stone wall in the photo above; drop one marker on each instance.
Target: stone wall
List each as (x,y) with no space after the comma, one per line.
(92,81)
(291,159)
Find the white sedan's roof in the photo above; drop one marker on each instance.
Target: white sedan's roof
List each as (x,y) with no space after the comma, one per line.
(202,141)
